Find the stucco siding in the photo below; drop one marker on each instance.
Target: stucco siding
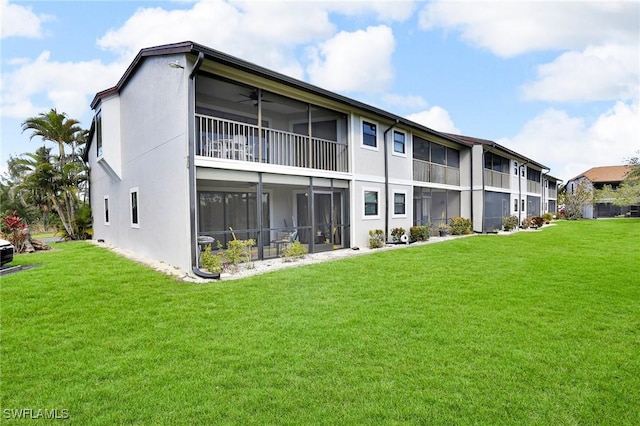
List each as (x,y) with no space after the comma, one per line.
(153,117)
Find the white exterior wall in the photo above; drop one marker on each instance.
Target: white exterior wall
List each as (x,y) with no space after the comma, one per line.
(477,171)
(466,208)
(153,140)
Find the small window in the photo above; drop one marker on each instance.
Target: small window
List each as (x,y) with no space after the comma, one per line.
(99,134)
(106,210)
(370,203)
(522,206)
(515,205)
(134,204)
(369,134)
(398,142)
(399,203)
(515,168)
(522,170)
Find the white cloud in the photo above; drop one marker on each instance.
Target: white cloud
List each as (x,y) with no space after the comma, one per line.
(68,86)
(20,21)
(571,145)
(435,118)
(511,28)
(385,11)
(262,32)
(354,61)
(607,72)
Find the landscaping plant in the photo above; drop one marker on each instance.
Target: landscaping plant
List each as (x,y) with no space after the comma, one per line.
(376,238)
(397,233)
(419,233)
(460,225)
(294,251)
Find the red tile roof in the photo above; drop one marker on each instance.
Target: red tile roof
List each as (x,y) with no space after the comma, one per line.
(605,174)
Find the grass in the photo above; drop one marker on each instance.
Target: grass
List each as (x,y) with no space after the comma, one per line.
(533,328)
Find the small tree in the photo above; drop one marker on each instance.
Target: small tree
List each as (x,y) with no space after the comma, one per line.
(577,199)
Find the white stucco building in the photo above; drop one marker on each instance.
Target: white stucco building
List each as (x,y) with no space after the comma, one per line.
(192,142)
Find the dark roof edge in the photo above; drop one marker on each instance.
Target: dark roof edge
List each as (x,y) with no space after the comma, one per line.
(167,49)
(478,141)
(218,56)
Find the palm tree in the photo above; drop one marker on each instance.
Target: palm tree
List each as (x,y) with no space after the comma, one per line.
(54,127)
(61,177)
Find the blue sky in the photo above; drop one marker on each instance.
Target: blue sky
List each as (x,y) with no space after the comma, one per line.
(556,81)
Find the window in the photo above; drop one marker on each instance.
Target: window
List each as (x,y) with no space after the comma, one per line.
(398,142)
(438,153)
(99,133)
(106,210)
(133,203)
(369,134)
(515,205)
(522,171)
(399,203)
(515,168)
(453,158)
(371,203)
(523,205)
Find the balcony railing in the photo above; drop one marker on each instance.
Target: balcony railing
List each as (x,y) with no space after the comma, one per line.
(424,171)
(497,179)
(226,139)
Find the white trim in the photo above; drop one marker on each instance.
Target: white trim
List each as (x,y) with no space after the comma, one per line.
(106,213)
(137,192)
(364,215)
(393,143)
(361,134)
(99,134)
(393,195)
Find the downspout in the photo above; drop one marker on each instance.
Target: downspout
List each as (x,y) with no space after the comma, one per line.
(192,172)
(386,180)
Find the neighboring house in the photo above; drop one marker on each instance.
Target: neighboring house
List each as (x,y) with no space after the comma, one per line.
(194,143)
(596,178)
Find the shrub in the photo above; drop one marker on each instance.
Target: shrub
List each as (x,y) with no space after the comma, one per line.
(210,261)
(419,233)
(547,217)
(509,223)
(238,251)
(294,251)
(397,233)
(376,238)
(460,225)
(16,231)
(526,223)
(536,221)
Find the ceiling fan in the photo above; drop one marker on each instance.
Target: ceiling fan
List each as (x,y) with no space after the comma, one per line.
(253,97)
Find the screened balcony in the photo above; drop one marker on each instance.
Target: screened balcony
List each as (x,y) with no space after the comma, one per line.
(497,179)
(243,123)
(435,163)
(227,139)
(496,171)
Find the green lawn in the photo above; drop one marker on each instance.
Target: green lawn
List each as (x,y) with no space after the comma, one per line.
(532,328)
